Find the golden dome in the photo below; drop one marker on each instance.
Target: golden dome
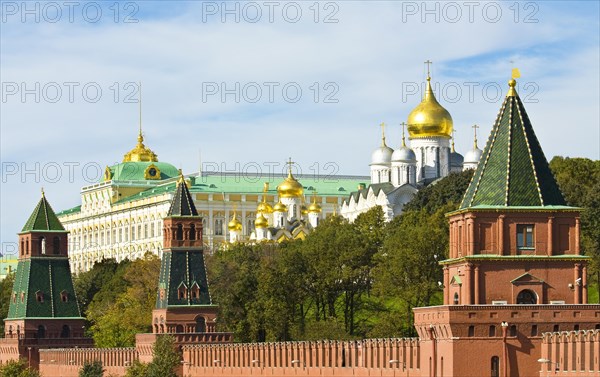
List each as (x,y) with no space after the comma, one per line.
(429,118)
(280,207)
(303,210)
(261,222)
(315,208)
(140,153)
(290,187)
(234,225)
(264,207)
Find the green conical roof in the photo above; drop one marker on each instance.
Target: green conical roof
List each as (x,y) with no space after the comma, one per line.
(43,218)
(182,204)
(513,170)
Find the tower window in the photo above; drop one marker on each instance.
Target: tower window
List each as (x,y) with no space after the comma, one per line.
(471,332)
(179,232)
(192,232)
(492,331)
(56,245)
(455,298)
(512,331)
(39,296)
(42,245)
(534,330)
(64,296)
(526,297)
(525,236)
(495,372)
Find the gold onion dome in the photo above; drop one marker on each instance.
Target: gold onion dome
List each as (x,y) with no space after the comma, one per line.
(140,153)
(429,118)
(264,207)
(261,222)
(280,207)
(303,210)
(290,187)
(314,207)
(234,225)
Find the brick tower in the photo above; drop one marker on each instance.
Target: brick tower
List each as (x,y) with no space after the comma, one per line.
(183,303)
(514,269)
(43,310)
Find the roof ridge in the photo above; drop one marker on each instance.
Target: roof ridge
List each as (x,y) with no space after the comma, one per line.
(508,145)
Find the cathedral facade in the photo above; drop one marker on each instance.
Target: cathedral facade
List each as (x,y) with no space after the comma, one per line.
(397,175)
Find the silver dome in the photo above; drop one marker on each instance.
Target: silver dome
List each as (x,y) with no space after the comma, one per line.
(404,154)
(456,159)
(473,156)
(382,155)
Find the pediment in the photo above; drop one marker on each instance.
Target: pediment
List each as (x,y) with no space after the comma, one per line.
(526,278)
(455,280)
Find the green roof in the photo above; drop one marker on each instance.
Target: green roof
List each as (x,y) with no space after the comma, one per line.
(182,268)
(43,219)
(182,203)
(136,171)
(513,170)
(238,183)
(48,277)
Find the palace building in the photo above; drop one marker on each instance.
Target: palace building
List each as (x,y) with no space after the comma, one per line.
(121,216)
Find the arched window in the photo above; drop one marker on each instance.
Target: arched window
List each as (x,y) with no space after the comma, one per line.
(179,329)
(42,245)
(495,367)
(192,232)
(56,245)
(200,324)
(456,298)
(41,332)
(179,232)
(526,297)
(65,332)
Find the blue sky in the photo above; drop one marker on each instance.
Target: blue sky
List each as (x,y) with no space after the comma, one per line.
(365,63)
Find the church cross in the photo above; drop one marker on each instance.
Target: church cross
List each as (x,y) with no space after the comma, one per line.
(429,63)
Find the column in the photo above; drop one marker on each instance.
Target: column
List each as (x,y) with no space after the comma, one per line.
(501,235)
(446,286)
(550,248)
(467,284)
(471,236)
(577,229)
(476,283)
(577,289)
(584,284)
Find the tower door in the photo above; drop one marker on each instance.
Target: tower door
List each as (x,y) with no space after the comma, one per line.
(495,367)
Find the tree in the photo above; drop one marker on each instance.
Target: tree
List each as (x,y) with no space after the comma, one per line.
(165,358)
(117,317)
(6,286)
(17,368)
(447,190)
(91,369)
(137,369)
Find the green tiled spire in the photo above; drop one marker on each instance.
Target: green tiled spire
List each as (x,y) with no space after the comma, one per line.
(183,270)
(43,218)
(513,170)
(182,204)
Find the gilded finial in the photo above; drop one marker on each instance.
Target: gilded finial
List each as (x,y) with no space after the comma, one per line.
(403,124)
(181,177)
(43,193)
(429,63)
(453,136)
(475,127)
(382,125)
(512,83)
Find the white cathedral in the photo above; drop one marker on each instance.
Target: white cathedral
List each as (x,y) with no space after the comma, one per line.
(397,175)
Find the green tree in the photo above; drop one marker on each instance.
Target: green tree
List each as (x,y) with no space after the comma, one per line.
(117,318)
(448,190)
(6,286)
(165,358)
(17,368)
(92,369)
(408,265)
(137,369)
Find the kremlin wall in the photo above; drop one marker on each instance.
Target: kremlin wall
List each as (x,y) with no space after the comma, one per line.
(515,289)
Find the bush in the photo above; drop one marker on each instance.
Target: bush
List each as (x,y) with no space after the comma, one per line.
(17,369)
(137,369)
(91,369)
(165,358)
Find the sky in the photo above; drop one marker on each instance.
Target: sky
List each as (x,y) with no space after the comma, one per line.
(232,85)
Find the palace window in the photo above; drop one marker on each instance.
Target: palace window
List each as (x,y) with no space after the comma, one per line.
(525,236)
(218,227)
(526,297)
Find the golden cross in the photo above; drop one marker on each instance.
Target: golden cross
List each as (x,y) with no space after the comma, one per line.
(429,63)
(382,125)
(403,124)
(475,127)
(290,163)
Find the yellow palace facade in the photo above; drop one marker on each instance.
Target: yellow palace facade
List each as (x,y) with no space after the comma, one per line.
(121,216)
